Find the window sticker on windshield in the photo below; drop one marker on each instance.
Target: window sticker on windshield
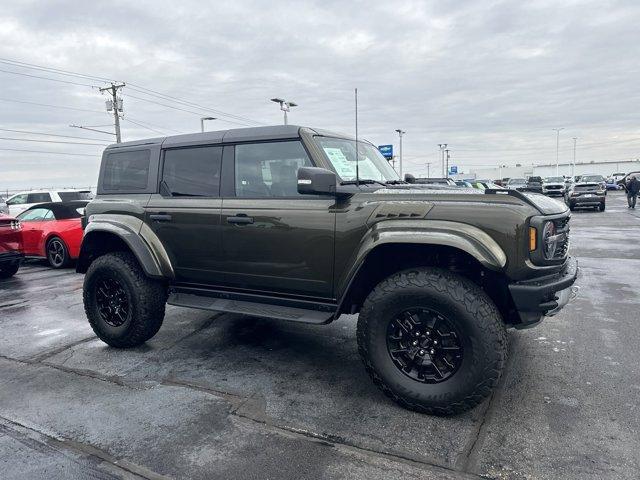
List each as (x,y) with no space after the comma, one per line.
(344,168)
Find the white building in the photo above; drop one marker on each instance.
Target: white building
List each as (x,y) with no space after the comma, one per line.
(599,168)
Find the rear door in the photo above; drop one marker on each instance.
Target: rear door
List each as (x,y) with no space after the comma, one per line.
(275,239)
(185,214)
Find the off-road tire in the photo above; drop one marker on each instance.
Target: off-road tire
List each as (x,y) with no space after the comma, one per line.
(462,302)
(147,299)
(602,207)
(8,271)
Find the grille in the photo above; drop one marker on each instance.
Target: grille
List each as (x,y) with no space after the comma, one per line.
(562,226)
(553,187)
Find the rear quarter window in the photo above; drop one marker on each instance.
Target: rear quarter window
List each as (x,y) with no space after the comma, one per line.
(126,171)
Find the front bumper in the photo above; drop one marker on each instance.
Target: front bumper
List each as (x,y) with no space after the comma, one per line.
(553,193)
(542,296)
(584,200)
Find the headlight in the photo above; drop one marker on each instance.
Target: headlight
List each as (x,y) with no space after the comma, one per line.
(549,240)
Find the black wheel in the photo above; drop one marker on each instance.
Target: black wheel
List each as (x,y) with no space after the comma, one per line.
(125,308)
(8,270)
(57,253)
(602,207)
(572,207)
(433,341)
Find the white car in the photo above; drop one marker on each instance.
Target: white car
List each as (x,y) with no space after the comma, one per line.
(19,202)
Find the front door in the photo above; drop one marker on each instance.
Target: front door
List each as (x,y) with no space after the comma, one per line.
(274,239)
(185,215)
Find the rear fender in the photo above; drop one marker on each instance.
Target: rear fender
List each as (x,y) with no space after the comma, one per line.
(136,235)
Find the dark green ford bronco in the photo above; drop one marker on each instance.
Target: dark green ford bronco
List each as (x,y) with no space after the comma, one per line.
(288,222)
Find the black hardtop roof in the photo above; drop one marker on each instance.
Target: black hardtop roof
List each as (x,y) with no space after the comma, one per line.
(251,134)
(62,209)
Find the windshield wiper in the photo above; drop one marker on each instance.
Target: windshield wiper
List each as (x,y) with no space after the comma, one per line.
(364,181)
(396,182)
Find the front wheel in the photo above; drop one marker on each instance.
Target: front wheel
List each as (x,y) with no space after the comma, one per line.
(433,341)
(602,207)
(125,308)
(8,270)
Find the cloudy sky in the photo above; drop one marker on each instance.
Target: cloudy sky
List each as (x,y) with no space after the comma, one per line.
(490,78)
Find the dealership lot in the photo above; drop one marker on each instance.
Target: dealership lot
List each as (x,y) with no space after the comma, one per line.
(226,396)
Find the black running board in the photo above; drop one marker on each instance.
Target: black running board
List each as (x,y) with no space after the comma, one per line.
(292,314)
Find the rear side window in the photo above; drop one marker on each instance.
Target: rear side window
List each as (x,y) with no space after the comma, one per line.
(192,172)
(70,196)
(38,198)
(126,171)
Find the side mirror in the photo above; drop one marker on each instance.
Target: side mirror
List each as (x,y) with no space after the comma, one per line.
(409,178)
(316,181)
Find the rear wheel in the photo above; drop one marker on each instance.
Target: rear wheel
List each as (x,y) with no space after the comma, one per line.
(432,341)
(57,253)
(125,308)
(8,270)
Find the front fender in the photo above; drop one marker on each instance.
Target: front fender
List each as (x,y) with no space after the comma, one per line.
(467,238)
(140,239)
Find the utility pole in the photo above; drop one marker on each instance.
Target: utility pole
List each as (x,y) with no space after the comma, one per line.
(428,169)
(442,146)
(115,104)
(557,130)
(285,107)
(573,166)
(400,133)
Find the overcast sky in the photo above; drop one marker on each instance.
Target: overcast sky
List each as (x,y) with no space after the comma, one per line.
(491,79)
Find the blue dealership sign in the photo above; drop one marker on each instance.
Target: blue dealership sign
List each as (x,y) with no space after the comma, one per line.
(453,169)
(386,151)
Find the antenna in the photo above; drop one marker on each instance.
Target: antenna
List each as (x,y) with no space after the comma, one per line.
(357,147)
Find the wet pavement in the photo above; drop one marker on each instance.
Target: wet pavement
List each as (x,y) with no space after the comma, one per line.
(226,396)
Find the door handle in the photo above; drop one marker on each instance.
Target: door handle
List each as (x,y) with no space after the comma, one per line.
(160,217)
(240,219)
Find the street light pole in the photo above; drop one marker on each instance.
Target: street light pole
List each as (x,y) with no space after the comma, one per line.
(443,147)
(557,130)
(400,133)
(202,122)
(285,107)
(573,166)
(428,170)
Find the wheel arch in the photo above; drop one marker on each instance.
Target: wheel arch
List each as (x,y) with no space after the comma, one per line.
(389,258)
(108,235)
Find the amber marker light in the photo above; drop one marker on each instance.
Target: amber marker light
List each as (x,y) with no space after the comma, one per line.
(533,239)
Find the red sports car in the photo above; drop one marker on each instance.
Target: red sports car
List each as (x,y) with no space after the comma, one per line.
(53,231)
(10,246)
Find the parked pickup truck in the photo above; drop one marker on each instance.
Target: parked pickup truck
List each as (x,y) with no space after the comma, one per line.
(305,225)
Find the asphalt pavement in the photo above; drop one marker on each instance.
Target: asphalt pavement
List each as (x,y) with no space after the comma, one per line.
(226,396)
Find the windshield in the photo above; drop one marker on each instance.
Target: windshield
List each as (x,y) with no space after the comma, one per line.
(517,181)
(371,165)
(592,178)
(554,180)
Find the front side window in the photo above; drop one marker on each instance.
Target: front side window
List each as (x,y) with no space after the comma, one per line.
(36,215)
(192,172)
(126,171)
(342,156)
(269,169)
(18,200)
(38,198)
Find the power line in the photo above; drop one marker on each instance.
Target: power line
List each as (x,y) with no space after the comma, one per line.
(32,66)
(182,109)
(135,87)
(153,125)
(143,126)
(49,141)
(49,134)
(48,78)
(49,105)
(48,152)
